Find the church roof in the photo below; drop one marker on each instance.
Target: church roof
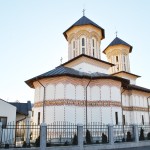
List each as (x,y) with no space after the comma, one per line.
(126,73)
(65,71)
(118,41)
(93,58)
(139,88)
(85,21)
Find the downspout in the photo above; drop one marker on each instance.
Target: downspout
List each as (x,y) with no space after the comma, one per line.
(86,101)
(43,101)
(148,109)
(122,113)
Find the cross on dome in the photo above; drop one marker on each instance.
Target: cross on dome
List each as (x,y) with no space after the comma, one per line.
(83,12)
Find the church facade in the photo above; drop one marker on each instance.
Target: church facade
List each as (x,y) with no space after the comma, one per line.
(88,89)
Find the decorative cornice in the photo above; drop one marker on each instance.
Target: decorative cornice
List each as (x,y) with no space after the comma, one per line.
(80,103)
(133,108)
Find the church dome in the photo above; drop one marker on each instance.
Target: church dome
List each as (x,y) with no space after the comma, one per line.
(118,41)
(85,21)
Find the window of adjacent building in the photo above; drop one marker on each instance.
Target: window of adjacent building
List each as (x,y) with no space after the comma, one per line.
(116,117)
(38,118)
(142,119)
(124,119)
(4,121)
(32,113)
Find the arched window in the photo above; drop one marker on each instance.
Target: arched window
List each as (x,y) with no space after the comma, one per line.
(93,47)
(82,44)
(73,47)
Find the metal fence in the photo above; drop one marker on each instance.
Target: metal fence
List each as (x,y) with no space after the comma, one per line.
(61,133)
(19,135)
(144,132)
(95,133)
(123,133)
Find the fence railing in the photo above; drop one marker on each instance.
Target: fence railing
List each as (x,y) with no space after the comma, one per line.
(61,133)
(95,133)
(144,132)
(19,135)
(123,133)
(65,133)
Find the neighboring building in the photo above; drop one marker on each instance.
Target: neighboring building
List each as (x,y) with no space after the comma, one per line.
(24,111)
(7,113)
(109,88)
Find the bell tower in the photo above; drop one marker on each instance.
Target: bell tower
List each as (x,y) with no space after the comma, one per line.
(84,37)
(117,52)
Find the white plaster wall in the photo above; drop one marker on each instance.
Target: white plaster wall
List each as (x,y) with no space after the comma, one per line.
(95,93)
(70,114)
(105,92)
(85,67)
(50,91)
(70,91)
(115,93)
(79,92)
(8,110)
(60,92)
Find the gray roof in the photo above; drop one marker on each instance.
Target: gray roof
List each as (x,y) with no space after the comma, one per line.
(65,71)
(22,108)
(139,88)
(118,41)
(85,21)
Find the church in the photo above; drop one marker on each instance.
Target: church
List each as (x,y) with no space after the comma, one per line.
(87,89)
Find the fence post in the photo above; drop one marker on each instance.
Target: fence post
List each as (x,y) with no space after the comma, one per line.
(27,132)
(43,136)
(136,133)
(110,134)
(0,132)
(80,135)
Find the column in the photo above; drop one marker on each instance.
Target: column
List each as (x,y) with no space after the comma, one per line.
(43,136)
(80,135)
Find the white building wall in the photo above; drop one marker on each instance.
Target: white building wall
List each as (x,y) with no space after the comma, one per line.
(8,110)
(84,67)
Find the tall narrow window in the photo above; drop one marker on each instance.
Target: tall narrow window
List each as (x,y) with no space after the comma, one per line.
(142,119)
(83,42)
(93,42)
(124,119)
(38,118)
(83,45)
(116,58)
(116,116)
(73,44)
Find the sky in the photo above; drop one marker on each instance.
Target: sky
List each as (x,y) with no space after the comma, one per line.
(32,41)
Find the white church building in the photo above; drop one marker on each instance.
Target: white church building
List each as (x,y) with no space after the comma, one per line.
(86,88)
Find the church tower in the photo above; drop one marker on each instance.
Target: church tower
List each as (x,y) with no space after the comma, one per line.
(84,37)
(117,52)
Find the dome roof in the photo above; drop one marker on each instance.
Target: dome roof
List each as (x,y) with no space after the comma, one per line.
(85,21)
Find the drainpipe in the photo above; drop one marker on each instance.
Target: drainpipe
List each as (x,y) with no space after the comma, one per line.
(86,100)
(43,100)
(122,112)
(148,109)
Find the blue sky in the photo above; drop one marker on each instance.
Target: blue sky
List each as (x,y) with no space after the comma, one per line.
(31,39)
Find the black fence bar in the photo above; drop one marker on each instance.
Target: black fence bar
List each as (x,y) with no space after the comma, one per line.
(144,132)
(96,133)
(61,133)
(123,133)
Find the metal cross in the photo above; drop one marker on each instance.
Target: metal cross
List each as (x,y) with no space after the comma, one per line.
(116,33)
(61,59)
(83,12)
